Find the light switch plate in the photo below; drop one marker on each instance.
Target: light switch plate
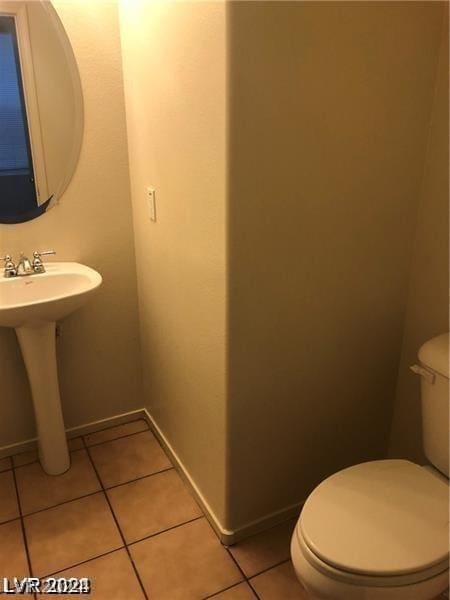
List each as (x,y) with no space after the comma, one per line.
(151,201)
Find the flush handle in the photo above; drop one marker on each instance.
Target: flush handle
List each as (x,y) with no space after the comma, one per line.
(430,377)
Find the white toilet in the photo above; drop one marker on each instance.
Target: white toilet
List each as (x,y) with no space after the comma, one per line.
(380,530)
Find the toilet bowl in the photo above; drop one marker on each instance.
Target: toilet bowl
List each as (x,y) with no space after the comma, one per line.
(380,530)
(375,531)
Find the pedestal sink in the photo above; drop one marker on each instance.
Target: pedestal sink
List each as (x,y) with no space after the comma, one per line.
(32,305)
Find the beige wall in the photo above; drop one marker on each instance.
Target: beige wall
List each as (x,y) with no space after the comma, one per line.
(98,352)
(329,113)
(323,110)
(175,88)
(327,130)
(427,308)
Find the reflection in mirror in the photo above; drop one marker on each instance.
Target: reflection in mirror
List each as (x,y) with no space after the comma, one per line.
(41,110)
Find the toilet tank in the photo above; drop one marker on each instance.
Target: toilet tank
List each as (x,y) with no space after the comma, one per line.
(434,371)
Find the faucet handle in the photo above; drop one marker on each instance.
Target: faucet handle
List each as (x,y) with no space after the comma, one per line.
(9,263)
(38,265)
(38,254)
(10,267)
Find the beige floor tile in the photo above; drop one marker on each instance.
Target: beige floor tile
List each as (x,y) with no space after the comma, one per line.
(185,563)
(264,550)
(279,582)
(112,577)
(239,592)
(5,464)
(9,509)
(25,458)
(128,458)
(112,433)
(37,490)
(61,537)
(150,505)
(13,558)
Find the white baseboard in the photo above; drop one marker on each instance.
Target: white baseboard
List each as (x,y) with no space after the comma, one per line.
(221,531)
(72,432)
(266,522)
(228,537)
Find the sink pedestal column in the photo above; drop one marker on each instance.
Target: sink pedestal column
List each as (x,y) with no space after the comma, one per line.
(39,353)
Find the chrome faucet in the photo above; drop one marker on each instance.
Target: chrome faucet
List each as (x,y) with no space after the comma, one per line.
(25,266)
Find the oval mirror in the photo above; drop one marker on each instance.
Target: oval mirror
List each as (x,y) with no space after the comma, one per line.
(41,110)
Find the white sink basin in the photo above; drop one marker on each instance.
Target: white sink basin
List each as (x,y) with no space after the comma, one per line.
(32,305)
(46,297)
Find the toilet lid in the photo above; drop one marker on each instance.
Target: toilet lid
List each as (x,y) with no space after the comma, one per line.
(387,517)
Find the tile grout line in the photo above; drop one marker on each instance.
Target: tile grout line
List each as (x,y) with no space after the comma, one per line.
(246,578)
(9,521)
(22,525)
(230,587)
(242,572)
(152,535)
(41,510)
(120,437)
(281,562)
(112,427)
(252,588)
(83,562)
(236,563)
(113,487)
(249,578)
(136,572)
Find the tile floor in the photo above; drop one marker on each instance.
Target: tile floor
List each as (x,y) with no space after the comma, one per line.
(123,517)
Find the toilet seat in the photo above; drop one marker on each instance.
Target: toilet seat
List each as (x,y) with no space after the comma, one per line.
(325,582)
(404,540)
(365,580)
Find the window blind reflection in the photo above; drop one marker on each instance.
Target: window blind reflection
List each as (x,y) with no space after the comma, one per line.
(14,151)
